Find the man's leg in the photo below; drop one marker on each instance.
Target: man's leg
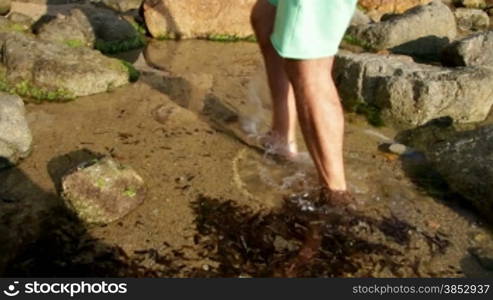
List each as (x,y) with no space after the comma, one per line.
(283,133)
(321,117)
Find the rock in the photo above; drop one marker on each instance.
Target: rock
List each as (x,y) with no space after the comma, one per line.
(398,149)
(198,18)
(5,6)
(484,255)
(103,192)
(100,27)
(109,26)
(22,19)
(7,25)
(422,31)
(123,5)
(15,136)
(465,161)
(360,18)
(472,19)
(55,71)
(412,93)
(471,3)
(378,8)
(74,30)
(475,50)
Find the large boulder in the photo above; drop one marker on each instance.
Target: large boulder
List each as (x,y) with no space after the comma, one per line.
(99,27)
(475,50)
(103,191)
(412,93)
(74,29)
(421,31)
(198,18)
(48,70)
(15,136)
(466,162)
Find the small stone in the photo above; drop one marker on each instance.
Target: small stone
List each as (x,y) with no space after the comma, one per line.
(398,149)
(206,268)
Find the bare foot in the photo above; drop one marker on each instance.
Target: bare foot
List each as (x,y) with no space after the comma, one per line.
(273,144)
(338,198)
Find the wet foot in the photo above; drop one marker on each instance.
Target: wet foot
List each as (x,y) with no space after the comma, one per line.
(338,198)
(274,145)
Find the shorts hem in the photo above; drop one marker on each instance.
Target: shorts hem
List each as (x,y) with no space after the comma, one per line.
(305,56)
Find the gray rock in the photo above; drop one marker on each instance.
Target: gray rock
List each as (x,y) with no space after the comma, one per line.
(88,26)
(472,19)
(109,26)
(475,50)
(54,67)
(73,30)
(466,162)
(15,136)
(103,192)
(412,93)
(421,31)
(22,19)
(5,6)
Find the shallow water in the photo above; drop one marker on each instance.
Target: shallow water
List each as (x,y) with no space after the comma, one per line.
(217,204)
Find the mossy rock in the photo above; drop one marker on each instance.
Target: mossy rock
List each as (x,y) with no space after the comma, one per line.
(103,191)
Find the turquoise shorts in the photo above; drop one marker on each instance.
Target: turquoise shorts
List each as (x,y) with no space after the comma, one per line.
(309,29)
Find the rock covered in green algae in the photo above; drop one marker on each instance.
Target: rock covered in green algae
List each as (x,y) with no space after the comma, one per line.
(103,192)
(465,160)
(47,70)
(92,27)
(74,30)
(15,136)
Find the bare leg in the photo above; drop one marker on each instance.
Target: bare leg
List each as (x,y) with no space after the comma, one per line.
(284,117)
(321,117)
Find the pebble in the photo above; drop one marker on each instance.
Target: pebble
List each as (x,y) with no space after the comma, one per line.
(398,149)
